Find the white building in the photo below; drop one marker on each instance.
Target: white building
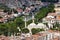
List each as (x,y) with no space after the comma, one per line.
(50,19)
(39,25)
(42,26)
(57,7)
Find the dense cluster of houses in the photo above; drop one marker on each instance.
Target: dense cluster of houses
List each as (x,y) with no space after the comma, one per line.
(45,35)
(28,10)
(52,18)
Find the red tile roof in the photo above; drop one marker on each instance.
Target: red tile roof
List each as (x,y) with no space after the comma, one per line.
(19,10)
(52,14)
(58,17)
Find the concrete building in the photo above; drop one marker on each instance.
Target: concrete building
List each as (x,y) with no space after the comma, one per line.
(52,18)
(57,7)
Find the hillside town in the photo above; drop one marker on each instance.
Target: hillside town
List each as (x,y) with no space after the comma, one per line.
(29,20)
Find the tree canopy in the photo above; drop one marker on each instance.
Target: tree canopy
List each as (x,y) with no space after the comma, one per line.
(11,26)
(25,30)
(44,11)
(36,30)
(53,1)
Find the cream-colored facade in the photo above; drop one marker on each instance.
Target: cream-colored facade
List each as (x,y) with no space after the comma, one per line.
(57,7)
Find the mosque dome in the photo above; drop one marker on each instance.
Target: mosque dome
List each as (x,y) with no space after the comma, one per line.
(32,25)
(41,25)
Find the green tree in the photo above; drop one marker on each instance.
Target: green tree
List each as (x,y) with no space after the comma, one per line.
(42,13)
(56,25)
(28,22)
(36,30)
(19,22)
(25,30)
(11,28)
(3,29)
(51,7)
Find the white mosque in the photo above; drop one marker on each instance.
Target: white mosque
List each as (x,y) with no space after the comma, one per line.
(39,25)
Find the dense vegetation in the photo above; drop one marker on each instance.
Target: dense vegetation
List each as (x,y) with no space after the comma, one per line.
(56,26)
(25,30)
(36,30)
(44,11)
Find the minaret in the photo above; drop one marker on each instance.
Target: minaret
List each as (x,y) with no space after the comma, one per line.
(25,18)
(33,17)
(25,21)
